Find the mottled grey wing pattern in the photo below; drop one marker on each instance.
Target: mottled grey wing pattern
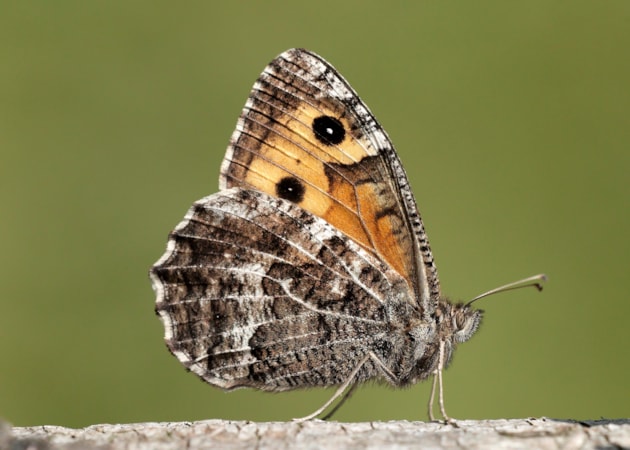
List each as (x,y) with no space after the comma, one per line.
(255,291)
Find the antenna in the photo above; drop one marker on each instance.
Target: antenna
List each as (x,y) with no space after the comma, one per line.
(535,281)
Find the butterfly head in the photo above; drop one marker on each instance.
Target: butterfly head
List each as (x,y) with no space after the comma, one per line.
(456,322)
(449,324)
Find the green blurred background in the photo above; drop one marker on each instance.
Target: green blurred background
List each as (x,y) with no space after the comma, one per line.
(512,120)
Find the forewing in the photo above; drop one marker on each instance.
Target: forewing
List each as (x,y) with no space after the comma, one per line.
(304,123)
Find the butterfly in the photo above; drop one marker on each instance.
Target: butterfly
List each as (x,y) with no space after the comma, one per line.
(311,265)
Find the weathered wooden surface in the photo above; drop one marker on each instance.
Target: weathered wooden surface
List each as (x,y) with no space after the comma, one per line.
(540,433)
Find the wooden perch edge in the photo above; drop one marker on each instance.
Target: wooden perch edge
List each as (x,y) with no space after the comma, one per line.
(542,433)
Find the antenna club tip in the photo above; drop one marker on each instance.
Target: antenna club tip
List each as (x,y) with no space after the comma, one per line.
(533,281)
(541,278)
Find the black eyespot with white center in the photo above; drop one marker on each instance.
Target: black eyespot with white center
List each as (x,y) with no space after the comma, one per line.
(290,188)
(328,130)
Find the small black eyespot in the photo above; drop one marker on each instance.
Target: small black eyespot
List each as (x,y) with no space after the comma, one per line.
(328,130)
(290,188)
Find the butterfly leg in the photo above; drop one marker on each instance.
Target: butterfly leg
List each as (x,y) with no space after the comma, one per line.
(386,372)
(338,393)
(432,397)
(441,386)
(437,380)
(346,396)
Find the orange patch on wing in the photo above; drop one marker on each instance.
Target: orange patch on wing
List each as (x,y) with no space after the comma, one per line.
(291,149)
(373,230)
(329,175)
